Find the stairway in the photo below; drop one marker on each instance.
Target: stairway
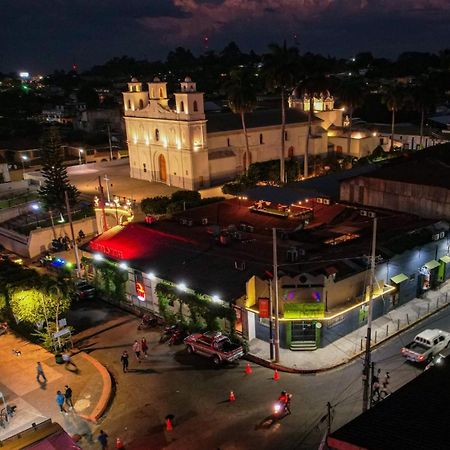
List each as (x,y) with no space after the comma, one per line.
(303,345)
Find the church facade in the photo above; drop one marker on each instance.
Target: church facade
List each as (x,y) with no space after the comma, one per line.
(175,142)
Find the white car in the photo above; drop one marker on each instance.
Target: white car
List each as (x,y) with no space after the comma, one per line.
(426,345)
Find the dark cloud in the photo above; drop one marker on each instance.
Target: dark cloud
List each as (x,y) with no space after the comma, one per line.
(47,34)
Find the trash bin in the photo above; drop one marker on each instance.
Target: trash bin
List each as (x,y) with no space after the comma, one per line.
(59,358)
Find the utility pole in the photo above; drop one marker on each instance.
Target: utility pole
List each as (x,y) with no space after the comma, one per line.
(328,418)
(367,357)
(108,195)
(270,318)
(74,242)
(102,204)
(275,279)
(109,140)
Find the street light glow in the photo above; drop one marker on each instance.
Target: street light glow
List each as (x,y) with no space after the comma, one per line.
(35,206)
(182,287)
(215,298)
(123,266)
(98,257)
(151,275)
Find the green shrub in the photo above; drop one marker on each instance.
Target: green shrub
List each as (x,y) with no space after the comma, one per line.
(186,196)
(155,205)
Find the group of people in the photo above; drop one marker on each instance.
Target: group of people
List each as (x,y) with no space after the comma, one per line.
(140,349)
(380,388)
(64,399)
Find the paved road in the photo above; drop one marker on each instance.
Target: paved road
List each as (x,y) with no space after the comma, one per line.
(196,393)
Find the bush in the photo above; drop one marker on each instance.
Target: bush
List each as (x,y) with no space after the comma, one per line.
(186,196)
(155,205)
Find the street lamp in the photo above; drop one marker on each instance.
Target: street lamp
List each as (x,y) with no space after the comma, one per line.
(23,158)
(80,152)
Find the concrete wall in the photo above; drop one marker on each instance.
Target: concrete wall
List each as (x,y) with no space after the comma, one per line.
(40,239)
(424,201)
(358,147)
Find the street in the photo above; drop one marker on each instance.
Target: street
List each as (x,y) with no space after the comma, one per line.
(196,393)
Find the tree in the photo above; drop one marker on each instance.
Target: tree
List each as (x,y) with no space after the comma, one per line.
(351,93)
(394,99)
(155,205)
(310,87)
(242,99)
(56,181)
(280,68)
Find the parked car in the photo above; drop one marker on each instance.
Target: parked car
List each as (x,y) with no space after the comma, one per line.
(215,345)
(426,345)
(83,290)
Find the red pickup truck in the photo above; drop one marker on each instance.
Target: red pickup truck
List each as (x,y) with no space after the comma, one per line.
(215,345)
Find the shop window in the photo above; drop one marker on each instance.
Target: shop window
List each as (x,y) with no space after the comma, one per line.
(339,149)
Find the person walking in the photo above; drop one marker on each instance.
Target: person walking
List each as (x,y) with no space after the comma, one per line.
(124,361)
(144,347)
(68,396)
(60,401)
(40,373)
(67,358)
(103,439)
(137,350)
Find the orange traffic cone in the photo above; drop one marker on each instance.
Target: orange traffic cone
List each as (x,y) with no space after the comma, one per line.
(119,443)
(276,377)
(169,426)
(232,398)
(248,369)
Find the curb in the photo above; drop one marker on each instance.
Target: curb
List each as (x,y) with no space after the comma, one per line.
(271,365)
(105,396)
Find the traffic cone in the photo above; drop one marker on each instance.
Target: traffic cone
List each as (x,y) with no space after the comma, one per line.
(119,443)
(276,377)
(248,369)
(169,426)
(232,398)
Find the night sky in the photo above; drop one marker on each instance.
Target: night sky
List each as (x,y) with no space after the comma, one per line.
(42,35)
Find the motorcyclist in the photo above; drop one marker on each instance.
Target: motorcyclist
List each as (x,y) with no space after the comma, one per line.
(285,400)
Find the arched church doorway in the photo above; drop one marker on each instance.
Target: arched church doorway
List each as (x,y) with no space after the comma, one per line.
(162,168)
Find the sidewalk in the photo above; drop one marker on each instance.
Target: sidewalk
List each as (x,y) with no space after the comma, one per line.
(348,347)
(35,401)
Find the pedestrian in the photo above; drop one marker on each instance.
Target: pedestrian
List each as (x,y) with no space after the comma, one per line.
(144,347)
(40,373)
(137,350)
(103,439)
(68,396)
(60,401)
(124,361)
(67,358)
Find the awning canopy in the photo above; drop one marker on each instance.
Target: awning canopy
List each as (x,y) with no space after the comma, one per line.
(430,265)
(445,259)
(400,278)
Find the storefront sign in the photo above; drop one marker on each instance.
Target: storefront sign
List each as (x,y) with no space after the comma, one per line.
(303,310)
(263,304)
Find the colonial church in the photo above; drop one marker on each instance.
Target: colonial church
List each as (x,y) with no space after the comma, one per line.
(173,141)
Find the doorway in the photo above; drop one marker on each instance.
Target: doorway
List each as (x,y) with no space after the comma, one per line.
(303,331)
(162,168)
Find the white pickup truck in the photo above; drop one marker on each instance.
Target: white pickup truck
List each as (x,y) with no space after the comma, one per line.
(425,345)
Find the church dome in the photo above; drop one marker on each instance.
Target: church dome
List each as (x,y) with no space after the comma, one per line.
(156,80)
(134,80)
(188,80)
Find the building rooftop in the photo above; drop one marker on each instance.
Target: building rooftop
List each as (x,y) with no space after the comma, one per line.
(228,121)
(413,417)
(185,250)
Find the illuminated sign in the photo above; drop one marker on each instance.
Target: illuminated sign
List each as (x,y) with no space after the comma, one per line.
(263,304)
(139,285)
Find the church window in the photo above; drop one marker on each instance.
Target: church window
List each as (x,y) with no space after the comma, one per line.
(182,106)
(160,93)
(291,152)
(145,167)
(228,142)
(195,106)
(285,135)
(129,104)
(141,104)
(156,135)
(261,139)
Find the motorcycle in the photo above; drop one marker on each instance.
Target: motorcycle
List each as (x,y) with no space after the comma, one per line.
(174,334)
(147,322)
(279,411)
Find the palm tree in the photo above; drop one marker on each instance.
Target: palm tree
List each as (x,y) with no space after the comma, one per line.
(394,98)
(351,93)
(310,87)
(280,68)
(242,99)
(423,97)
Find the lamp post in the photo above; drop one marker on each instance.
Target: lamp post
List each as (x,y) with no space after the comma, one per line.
(80,152)
(23,159)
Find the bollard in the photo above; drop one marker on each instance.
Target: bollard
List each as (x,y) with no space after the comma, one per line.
(361,344)
(387,330)
(418,314)
(437,303)
(407,318)
(428,309)
(398,324)
(375,336)
(446,296)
